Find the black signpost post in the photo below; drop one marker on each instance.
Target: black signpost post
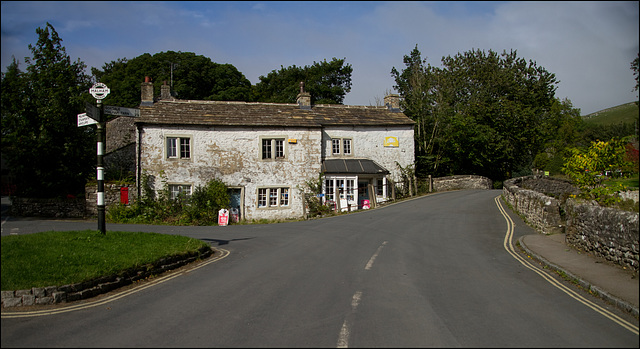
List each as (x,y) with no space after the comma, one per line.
(95,115)
(99,91)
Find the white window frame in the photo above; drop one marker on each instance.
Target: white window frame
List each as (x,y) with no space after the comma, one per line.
(331,188)
(342,146)
(273,197)
(176,189)
(175,147)
(273,148)
(346,146)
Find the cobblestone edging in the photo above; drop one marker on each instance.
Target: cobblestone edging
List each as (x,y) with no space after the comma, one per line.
(69,293)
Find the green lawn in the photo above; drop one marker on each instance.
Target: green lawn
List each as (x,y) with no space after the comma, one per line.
(60,258)
(631,183)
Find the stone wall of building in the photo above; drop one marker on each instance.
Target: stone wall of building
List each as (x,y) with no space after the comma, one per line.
(369,143)
(233,156)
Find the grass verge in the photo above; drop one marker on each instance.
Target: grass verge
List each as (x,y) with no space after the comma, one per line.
(57,258)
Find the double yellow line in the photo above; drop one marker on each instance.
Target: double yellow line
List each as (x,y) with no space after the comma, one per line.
(105,300)
(508,245)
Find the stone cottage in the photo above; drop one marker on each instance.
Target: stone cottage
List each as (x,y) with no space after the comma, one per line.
(266,153)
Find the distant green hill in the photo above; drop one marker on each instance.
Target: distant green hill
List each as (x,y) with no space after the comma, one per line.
(624,113)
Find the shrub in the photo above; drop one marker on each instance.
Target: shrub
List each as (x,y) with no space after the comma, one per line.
(199,208)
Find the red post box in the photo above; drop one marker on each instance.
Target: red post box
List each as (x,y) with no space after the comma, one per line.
(124,195)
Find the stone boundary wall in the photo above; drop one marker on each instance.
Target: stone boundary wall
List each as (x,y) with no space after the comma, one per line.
(608,233)
(541,211)
(605,232)
(88,289)
(461,182)
(630,195)
(70,208)
(111,196)
(58,208)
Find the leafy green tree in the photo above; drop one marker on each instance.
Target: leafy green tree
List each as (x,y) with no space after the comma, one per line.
(423,103)
(567,132)
(590,167)
(191,76)
(49,155)
(327,82)
(481,113)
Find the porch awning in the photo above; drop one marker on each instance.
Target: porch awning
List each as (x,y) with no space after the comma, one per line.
(352,166)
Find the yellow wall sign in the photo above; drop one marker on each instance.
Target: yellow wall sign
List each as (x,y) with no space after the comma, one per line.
(293,140)
(391,142)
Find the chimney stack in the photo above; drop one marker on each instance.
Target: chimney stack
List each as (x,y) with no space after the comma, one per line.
(165,91)
(304,98)
(392,101)
(147,92)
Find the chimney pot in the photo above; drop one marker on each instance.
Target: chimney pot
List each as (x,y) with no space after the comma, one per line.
(146,90)
(165,91)
(304,98)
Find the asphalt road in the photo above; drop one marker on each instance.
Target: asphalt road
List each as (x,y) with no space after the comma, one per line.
(429,272)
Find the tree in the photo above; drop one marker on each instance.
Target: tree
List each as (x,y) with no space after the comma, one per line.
(589,167)
(191,77)
(567,132)
(417,103)
(47,153)
(327,82)
(481,113)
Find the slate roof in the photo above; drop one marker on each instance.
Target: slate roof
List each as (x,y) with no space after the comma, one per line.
(352,166)
(220,113)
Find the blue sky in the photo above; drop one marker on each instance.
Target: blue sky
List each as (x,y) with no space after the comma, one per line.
(588,45)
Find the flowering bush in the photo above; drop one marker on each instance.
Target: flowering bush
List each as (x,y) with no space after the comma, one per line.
(589,168)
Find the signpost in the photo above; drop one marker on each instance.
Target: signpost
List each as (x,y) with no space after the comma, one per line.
(92,111)
(121,111)
(93,115)
(99,91)
(84,120)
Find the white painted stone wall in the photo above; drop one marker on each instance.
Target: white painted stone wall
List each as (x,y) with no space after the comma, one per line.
(233,155)
(368,143)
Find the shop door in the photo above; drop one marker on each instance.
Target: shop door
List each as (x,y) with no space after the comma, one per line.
(235,201)
(363,192)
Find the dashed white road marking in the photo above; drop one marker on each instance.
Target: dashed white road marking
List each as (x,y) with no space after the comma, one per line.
(373,258)
(343,337)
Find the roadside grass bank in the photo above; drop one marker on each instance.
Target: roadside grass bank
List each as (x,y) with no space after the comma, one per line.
(57,258)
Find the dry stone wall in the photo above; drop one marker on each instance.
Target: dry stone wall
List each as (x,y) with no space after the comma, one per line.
(608,233)
(58,208)
(605,232)
(461,182)
(543,212)
(111,196)
(91,288)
